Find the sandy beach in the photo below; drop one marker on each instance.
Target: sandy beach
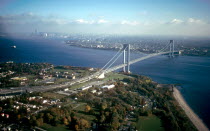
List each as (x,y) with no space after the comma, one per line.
(189,112)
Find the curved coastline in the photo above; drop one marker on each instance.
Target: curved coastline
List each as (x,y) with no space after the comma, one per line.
(189,112)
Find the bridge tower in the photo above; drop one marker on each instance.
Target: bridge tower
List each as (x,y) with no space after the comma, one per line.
(171,46)
(126,57)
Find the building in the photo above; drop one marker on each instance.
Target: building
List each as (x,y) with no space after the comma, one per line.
(94,91)
(85,88)
(108,87)
(19,78)
(102,76)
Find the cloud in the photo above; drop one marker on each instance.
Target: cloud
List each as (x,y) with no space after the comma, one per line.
(132,23)
(27,22)
(176,21)
(31,18)
(102,21)
(196,21)
(189,21)
(82,21)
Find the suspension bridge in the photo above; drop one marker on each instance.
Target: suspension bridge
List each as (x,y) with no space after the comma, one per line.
(108,67)
(125,51)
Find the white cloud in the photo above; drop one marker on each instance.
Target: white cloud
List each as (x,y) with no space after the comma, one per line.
(102,21)
(30,21)
(82,21)
(176,21)
(188,21)
(31,18)
(133,23)
(197,21)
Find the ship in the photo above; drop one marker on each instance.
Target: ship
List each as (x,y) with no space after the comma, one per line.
(13,46)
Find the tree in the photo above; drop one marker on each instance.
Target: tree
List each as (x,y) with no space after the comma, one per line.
(92,112)
(84,123)
(49,117)
(69,118)
(39,122)
(33,121)
(18,117)
(76,127)
(115,123)
(55,121)
(87,108)
(102,119)
(103,106)
(65,121)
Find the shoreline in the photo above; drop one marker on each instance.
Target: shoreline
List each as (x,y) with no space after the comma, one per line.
(189,112)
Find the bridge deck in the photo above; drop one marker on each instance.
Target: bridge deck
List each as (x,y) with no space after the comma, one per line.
(136,60)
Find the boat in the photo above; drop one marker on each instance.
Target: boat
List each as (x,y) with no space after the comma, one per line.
(13,46)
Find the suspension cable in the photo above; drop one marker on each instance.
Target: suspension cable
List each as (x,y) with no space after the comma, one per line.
(110,60)
(114,61)
(164,47)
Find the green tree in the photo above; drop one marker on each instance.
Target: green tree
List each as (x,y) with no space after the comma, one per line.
(65,121)
(102,119)
(87,108)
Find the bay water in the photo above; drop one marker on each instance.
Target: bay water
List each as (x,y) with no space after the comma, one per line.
(191,72)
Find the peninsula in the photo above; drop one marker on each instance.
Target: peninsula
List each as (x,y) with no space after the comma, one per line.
(116,102)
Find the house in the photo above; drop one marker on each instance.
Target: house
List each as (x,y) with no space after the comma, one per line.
(108,87)
(93,91)
(100,92)
(85,88)
(45,76)
(44,101)
(22,83)
(19,78)
(91,69)
(71,77)
(66,72)
(66,89)
(31,98)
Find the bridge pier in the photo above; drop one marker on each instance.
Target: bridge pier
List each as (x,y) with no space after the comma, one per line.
(171,48)
(126,57)
(124,62)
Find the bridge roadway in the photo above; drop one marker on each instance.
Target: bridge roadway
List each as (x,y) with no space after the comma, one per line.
(136,60)
(81,80)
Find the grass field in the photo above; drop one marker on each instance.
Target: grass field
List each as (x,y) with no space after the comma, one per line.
(79,85)
(55,128)
(149,123)
(113,75)
(60,80)
(53,95)
(82,114)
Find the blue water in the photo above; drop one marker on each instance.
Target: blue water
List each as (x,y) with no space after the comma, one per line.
(193,73)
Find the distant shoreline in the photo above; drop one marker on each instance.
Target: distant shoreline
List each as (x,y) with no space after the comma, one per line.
(189,112)
(136,51)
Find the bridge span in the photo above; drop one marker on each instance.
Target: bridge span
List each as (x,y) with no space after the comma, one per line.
(136,60)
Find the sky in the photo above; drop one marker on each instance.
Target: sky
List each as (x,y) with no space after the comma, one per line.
(133,17)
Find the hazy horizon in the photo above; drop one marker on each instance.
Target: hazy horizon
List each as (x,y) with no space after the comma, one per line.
(120,17)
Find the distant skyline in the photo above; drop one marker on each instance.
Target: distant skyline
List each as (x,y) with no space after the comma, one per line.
(132,17)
